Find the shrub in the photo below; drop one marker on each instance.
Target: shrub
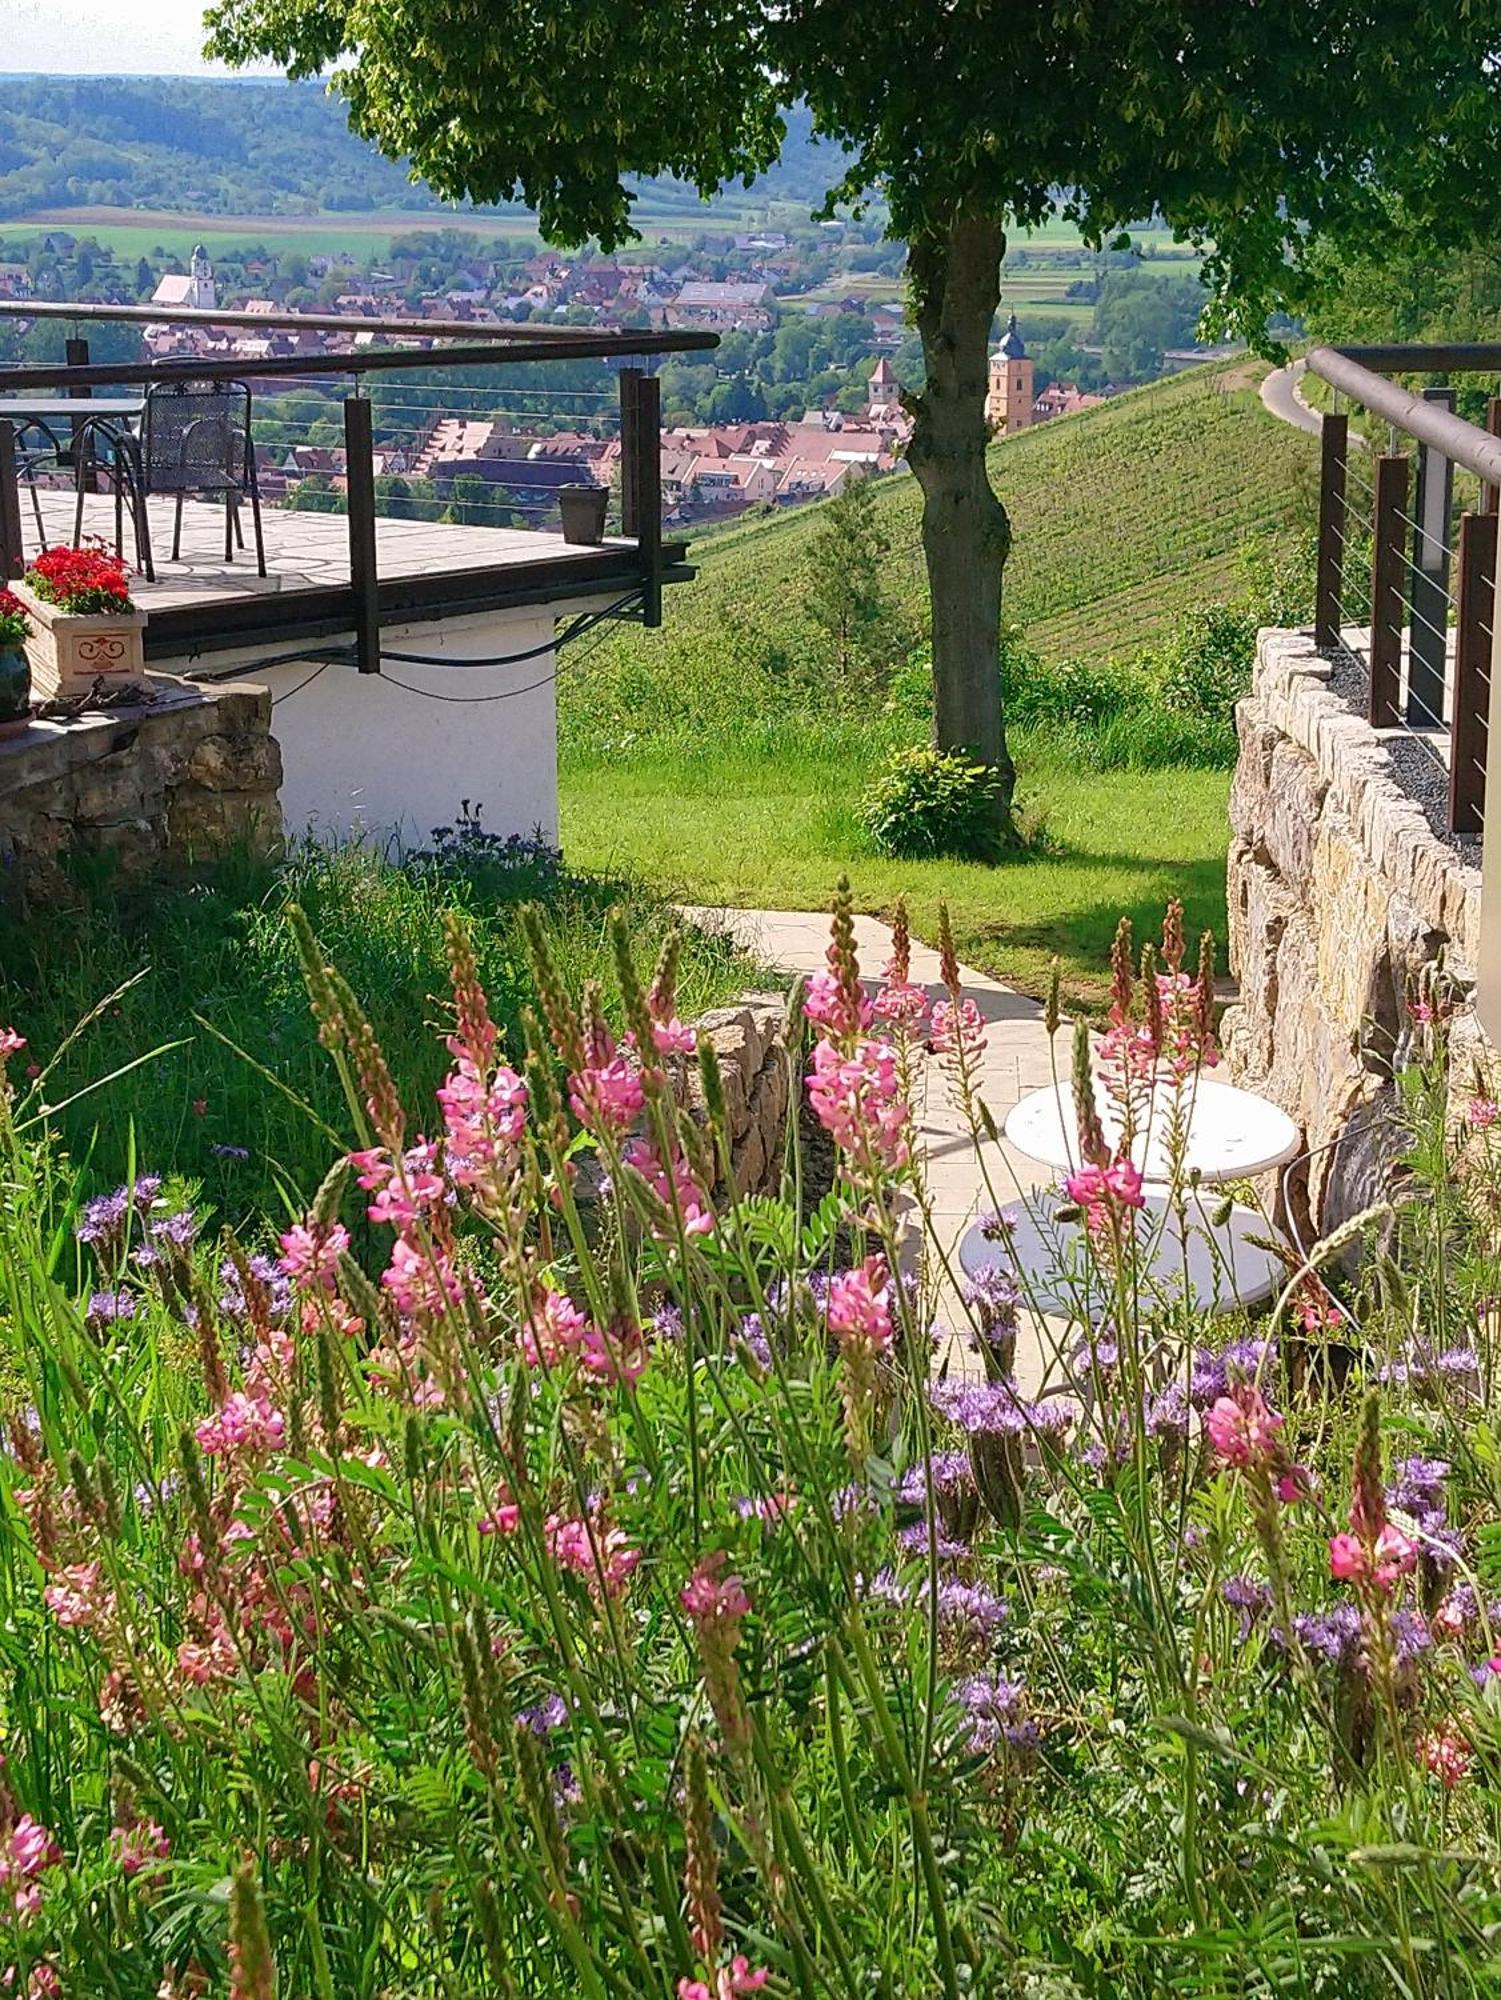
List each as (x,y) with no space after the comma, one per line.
(928,803)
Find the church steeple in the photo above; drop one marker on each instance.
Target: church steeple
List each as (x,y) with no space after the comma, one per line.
(1009,398)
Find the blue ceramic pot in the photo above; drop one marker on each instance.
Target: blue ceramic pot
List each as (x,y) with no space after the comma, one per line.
(15,690)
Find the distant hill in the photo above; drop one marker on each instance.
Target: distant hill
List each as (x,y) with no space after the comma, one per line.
(1124,515)
(242,147)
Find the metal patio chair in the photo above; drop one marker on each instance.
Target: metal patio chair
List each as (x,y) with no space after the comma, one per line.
(196,440)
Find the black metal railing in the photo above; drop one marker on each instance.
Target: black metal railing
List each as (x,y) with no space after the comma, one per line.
(1407,551)
(622,407)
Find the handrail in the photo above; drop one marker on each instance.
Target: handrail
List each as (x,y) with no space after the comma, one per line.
(1462,443)
(322,322)
(368,361)
(1433,358)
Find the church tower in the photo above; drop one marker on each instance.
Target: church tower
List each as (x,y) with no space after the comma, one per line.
(201,287)
(1008,401)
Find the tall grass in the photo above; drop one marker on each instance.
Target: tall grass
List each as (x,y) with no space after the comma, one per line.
(602,1598)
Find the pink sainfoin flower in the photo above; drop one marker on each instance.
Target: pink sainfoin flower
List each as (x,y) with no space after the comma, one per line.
(245,1424)
(405,1187)
(717,1603)
(602,1556)
(828,1005)
(730,1981)
(606,1090)
(958,1029)
(137,1846)
(676,1187)
(1242,1430)
(900,1004)
(504,1517)
(422,1278)
(613,1354)
(10,1042)
(553,1329)
(1446,1754)
(79,1597)
(1101,1190)
(26,1853)
(483,1120)
(310,1252)
(858,1100)
(859,1306)
(1482,1113)
(1391,1556)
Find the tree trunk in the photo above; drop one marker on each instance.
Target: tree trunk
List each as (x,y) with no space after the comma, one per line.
(956,286)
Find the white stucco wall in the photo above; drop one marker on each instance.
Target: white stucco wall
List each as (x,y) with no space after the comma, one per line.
(366,756)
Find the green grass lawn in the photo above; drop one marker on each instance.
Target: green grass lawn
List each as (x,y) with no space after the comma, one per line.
(777,832)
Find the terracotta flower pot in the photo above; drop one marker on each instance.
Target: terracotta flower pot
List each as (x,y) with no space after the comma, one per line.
(15,691)
(71,651)
(583,509)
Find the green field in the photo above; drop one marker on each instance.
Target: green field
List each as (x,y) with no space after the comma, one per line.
(710,758)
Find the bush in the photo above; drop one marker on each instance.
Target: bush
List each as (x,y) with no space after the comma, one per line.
(930,803)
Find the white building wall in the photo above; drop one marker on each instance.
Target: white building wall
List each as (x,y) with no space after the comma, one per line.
(391,756)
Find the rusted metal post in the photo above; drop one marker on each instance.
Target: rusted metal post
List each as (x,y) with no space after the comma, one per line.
(1428,596)
(359,475)
(630,448)
(1386,592)
(1334,444)
(649,495)
(12,561)
(80,448)
(1472,671)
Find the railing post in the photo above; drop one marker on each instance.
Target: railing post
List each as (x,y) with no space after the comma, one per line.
(12,561)
(630,447)
(1428,630)
(76,355)
(1334,443)
(649,494)
(359,478)
(1386,592)
(1472,671)
(1490,496)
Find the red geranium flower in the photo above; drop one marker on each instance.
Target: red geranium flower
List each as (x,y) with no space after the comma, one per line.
(80,580)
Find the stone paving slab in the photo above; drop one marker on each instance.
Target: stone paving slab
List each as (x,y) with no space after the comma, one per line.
(1017,1059)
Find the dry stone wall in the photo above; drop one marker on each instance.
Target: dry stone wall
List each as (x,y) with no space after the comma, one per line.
(749,1038)
(1338,893)
(190,774)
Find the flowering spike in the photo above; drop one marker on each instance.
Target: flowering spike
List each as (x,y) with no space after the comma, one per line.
(381,1099)
(1052,1011)
(557,1008)
(1086,1111)
(1120,973)
(637,1013)
(948,957)
(252,1968)
(899,970)
(1151,994)
(701,1863)
(317,977)
(662,998)
(1368,1500)
(475,1034)
(1204,995)
(1172,936)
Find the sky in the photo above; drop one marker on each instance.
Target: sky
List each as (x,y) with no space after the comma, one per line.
(105,38)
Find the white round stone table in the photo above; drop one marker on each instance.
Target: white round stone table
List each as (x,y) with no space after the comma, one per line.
(1232,1134)
(1222,1267)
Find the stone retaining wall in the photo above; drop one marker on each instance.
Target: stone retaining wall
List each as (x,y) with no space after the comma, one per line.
(1338,893)
(185,776)
(749,1037)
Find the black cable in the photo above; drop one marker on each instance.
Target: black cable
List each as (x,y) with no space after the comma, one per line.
(576,630)
(427,694)
(277,700)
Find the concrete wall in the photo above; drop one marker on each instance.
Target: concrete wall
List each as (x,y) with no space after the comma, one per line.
(363,754)
(1338,894)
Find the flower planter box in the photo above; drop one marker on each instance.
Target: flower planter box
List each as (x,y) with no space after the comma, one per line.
(583,509)
(71,651)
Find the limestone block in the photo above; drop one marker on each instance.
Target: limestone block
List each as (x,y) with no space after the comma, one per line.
(1295,798)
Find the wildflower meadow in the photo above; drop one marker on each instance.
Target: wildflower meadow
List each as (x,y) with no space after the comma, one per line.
(615,1585)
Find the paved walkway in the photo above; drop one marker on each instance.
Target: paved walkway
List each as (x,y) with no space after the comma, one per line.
(1282,397)
(1016,1060)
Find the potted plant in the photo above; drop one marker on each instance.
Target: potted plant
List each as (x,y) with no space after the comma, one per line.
(84,629)
(15,671)
(583,509)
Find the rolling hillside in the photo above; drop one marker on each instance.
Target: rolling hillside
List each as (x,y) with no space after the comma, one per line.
(1124,516)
